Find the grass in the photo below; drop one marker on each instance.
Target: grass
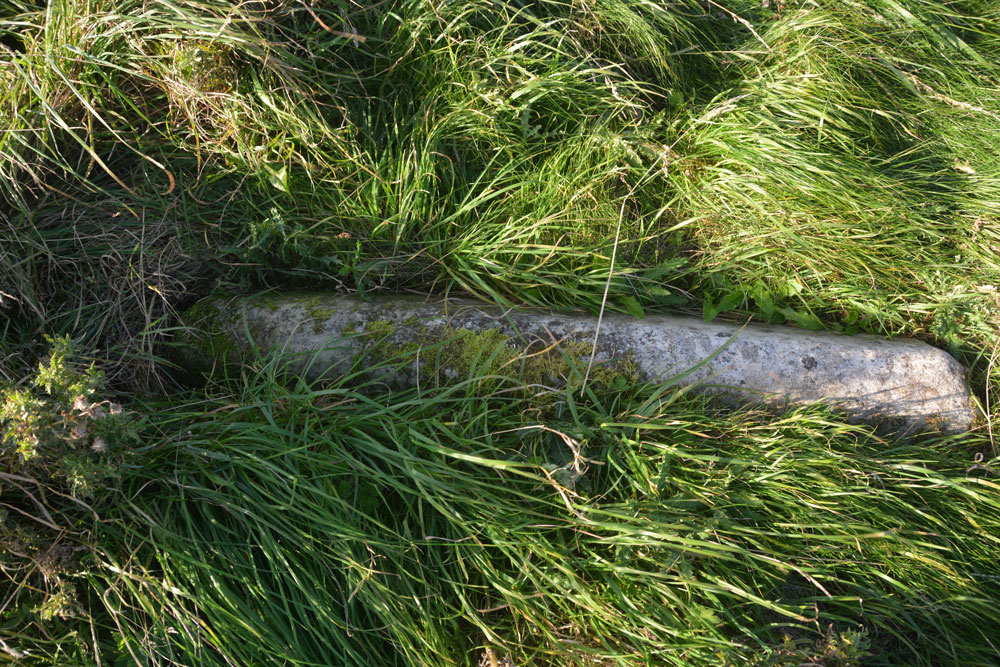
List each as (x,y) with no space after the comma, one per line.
(822,164)
(613,529)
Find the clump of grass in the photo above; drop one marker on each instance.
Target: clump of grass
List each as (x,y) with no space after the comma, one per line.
(127,138)
(838,183)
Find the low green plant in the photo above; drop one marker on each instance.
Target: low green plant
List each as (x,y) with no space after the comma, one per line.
(848,648)
(61,447)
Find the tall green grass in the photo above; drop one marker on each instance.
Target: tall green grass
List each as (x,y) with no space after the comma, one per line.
(323,525)
(823,164)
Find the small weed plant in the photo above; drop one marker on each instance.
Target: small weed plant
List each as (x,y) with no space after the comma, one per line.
(60,450)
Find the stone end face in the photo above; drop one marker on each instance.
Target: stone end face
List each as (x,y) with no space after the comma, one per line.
(207,342)
(904,386)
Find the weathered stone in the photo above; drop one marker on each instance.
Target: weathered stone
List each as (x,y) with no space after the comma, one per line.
(904,384)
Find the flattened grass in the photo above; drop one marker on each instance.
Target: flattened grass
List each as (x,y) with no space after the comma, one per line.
(315,526)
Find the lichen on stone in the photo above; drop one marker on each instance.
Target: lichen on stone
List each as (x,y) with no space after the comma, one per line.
(319,316)
(426,353)
(377,330)
(448,354)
